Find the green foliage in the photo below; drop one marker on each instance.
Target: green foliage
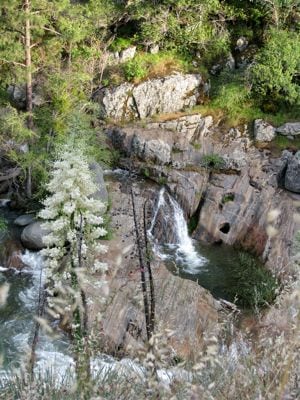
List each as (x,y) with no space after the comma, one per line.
(135,69)
(146,65)
(193,222)
(3,224)
(275,74)
(282,142)
(13,126)
(232,100)
(120,43)
(254,285)
(212,161)
(228,197)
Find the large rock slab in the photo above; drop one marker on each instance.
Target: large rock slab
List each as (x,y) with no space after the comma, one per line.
(292,175)
(11,255)
(190,128)
(149,145)
(155,96)
(263,132)
(289,129)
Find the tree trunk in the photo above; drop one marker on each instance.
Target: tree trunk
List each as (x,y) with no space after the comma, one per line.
(28,64)
(28,85)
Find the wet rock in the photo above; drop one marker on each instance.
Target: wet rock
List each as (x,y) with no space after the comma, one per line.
(11,255)
(263,132)
(24,220)
(155,96)
(292,176)
(289,129)
(32,236)
(281,167)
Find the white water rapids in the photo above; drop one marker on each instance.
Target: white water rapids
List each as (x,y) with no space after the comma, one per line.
(53,357)
(185,252)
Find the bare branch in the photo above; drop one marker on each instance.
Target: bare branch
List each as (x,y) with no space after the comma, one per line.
(12,62)
(52,30)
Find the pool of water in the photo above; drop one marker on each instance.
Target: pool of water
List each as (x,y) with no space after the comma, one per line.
(215,272)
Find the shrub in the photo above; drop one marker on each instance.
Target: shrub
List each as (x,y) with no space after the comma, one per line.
(213,161)
(135,69)
(120,44)
(276,72)
(254,285)
(146,65)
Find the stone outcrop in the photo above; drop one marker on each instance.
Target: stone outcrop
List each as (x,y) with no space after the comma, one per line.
(147,144)
(292,175)
(121,56)
(289,129)
(263,132)
(155,96)
(190,128)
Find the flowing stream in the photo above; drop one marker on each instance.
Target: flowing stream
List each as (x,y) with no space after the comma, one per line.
(53,357)
(213,266)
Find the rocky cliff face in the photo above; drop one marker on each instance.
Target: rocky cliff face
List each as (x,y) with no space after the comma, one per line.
(221,179)
(156,96)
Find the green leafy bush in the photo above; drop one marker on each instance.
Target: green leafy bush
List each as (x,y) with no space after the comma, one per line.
(146,65)
(254,285)
(275,75)
(213,161)
(135,69)
(120,44)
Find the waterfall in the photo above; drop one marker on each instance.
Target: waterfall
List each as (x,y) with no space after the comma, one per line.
(180,244)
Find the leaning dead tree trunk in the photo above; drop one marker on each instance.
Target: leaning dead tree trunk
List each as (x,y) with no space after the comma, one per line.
(145,266)
(150,276)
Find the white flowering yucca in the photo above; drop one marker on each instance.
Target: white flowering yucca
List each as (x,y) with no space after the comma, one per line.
(74,223)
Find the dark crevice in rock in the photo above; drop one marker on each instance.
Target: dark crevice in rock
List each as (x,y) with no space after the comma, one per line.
(281,176)
(225,227)
(193,221)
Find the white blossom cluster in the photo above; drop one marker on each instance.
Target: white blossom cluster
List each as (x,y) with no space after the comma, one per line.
(74,222)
